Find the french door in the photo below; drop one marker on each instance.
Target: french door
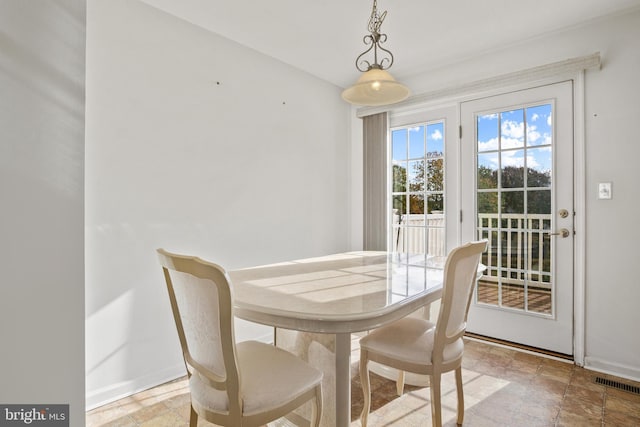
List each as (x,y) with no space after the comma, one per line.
(517,192)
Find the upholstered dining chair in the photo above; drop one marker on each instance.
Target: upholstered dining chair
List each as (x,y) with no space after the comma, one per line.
(419,346)
(245,384)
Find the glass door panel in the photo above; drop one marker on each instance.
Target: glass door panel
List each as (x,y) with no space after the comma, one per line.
(513,191)
(417,198)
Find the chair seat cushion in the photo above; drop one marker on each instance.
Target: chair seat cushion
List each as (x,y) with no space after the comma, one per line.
(269,377)
(409,340)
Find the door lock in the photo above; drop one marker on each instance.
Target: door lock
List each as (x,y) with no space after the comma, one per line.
(563,213)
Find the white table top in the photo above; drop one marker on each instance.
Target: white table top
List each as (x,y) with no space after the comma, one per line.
(339,293)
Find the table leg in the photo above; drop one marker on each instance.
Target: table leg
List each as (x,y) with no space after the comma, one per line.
(330,353)
(343,379)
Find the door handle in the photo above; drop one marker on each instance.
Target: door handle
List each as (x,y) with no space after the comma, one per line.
(563,233)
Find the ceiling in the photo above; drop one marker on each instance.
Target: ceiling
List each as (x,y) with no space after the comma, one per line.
(324,37)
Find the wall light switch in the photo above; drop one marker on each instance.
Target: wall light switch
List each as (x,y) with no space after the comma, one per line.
(604,190)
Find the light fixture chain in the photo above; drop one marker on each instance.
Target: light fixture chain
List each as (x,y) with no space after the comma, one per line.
(374,40)
(375,21)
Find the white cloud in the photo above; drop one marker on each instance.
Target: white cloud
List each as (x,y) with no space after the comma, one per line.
(511,143)
(549,120)
(436,134)
(536,138)
(532,163)
(509,159)
(513,129)
(514,159)
(532,134)
(535,117)
(491,144)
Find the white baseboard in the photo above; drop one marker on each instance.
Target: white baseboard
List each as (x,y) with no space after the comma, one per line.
(617,369)
(111,393)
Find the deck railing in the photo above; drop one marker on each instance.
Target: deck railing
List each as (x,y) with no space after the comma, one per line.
(410,235)
(519,249)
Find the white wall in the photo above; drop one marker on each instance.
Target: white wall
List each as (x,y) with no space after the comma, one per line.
(612,151)
(248,171)
(42,66)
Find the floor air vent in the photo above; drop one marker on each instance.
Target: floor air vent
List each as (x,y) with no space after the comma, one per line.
(620,386)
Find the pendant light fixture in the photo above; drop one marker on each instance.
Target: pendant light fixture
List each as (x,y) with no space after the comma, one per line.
(376,86)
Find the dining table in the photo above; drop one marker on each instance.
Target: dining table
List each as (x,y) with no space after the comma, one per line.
(315,304)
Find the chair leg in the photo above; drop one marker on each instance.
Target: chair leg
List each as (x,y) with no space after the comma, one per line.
(193,418)
(400,383)
(460,395)
(366,387)
(316,415)
(436,403)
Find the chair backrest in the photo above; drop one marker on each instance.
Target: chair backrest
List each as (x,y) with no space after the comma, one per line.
(202,304)
(460,273)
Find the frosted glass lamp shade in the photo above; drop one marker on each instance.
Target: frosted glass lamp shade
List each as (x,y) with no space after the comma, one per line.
(376,87)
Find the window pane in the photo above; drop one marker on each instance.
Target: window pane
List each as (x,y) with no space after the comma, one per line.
(546,257)
(539,299)
(512,173)
(416,206)
(435,139)
(539,122)
(415,237)
(400,177)
(399,144)
(487,128)
(488,202)
(435,175)
(488,170)
(512,129)
(512,295)
(436,240)
(400,206)
(416,175)
(513,202)
(539,202)
(435,204)
(416,142)
(539,167)
(398,239)
(516,249)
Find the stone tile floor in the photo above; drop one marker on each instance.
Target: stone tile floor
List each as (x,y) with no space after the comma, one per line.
(502,387)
